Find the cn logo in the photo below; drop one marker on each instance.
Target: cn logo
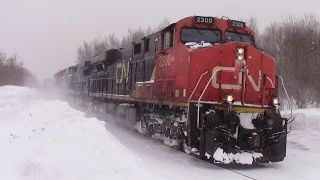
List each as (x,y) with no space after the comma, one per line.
(122,72)
(256,86)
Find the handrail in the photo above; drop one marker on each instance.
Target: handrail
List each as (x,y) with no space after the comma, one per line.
(285,90)
(194,89)
(86,88)
(201,97)
(270,81)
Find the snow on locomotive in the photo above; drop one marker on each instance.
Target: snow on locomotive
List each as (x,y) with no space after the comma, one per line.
(200,85)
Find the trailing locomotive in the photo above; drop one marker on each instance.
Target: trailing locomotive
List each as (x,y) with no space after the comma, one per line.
(200,85)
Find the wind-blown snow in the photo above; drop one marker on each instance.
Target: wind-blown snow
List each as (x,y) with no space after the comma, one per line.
(305,119)
(41,139)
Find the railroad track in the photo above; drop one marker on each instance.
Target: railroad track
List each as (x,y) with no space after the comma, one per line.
(287,172)
(234,171)
(238,170)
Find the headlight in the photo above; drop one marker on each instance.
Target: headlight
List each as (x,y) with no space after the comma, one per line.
(229,98)
(275,101)
(240,51)
(240,57)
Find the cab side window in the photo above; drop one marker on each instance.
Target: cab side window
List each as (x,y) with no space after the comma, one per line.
(146,44)
(167,39)
(137,48)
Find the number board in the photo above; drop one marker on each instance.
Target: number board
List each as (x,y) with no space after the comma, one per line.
(238,24)
(204,20)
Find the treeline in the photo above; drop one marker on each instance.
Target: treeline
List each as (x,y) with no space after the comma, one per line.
(293,41)
(101,44)
(12,72)
(295,44)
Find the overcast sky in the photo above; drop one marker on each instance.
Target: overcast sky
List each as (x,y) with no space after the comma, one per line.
(47,33)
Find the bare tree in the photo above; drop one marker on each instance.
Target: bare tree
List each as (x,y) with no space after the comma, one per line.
(295,44)
(114,41)
(252,22)
(164,23)
(101,44)
(12,71)
(132,36)
(85,52)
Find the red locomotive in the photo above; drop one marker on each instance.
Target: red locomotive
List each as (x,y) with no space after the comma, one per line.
(201,85)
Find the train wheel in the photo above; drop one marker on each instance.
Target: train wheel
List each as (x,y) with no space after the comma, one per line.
(186,148)
(144,127)
(172,140)
(175,143)
(141,127)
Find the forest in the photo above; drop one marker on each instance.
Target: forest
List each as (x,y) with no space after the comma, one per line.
(12,71)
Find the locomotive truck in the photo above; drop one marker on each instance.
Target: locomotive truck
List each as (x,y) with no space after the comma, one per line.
(200,85)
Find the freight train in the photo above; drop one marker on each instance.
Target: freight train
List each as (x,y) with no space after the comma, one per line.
(200,85)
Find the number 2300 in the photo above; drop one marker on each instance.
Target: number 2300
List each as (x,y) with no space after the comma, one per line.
(208,20)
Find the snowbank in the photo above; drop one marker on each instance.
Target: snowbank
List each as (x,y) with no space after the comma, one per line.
(242,158)
(41,139)
(305,119)
(305,134)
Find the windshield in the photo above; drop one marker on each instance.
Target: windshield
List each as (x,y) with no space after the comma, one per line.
(199,35)
(234,36)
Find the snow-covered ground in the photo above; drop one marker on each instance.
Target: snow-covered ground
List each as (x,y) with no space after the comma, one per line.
(41,139)
(47,139)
